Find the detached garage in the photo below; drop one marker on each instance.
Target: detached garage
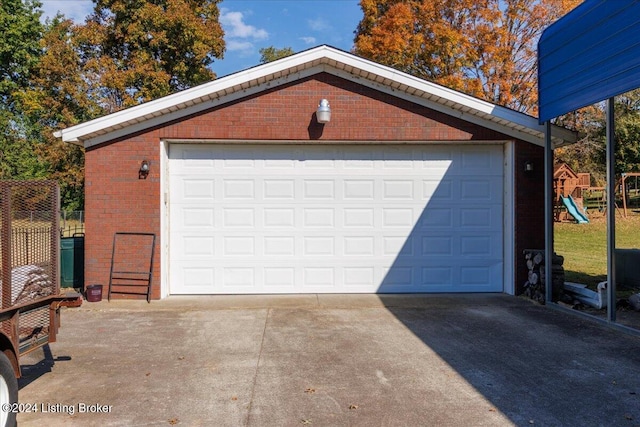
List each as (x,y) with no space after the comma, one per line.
(409,187)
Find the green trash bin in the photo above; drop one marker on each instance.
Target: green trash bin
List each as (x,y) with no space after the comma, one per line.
(72,262)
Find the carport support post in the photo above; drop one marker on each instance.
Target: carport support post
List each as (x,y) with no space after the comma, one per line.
(611,212)
(548,212)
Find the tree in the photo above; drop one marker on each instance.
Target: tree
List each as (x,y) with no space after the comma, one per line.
(58,97)
(269,54)
(20,31)
(626,133)
(586,154)
(136,51)
(485,48)
(589,153)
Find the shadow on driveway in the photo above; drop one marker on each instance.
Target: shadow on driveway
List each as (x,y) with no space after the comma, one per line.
(536,365)
(334,360)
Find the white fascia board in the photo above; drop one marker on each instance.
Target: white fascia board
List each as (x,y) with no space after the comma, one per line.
(466,113)
(449,96)
(322,58)
(177,114)
(194,95)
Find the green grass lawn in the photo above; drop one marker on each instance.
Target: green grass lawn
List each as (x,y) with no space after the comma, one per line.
(584,246)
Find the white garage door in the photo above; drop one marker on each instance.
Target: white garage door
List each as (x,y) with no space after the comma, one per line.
(251,219)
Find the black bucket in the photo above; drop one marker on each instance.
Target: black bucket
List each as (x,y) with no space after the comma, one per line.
(94,293)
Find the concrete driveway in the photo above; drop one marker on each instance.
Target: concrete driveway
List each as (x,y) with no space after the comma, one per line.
(332,360)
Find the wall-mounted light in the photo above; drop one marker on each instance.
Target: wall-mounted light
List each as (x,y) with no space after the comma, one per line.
(528,166)
(144,170)
(323,113)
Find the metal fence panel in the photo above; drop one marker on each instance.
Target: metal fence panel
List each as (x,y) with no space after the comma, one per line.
(29,230)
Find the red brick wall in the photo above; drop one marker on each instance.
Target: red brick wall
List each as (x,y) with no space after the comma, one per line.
(117,200)
(529,206)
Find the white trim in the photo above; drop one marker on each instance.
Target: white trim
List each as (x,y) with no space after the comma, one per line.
(176,114)
(508,255)
(319,59)
(164,218)
(508,231)
(534,136)
(303,142)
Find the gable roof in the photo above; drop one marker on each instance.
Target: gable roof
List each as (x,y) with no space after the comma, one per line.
(563,170)
(307,63)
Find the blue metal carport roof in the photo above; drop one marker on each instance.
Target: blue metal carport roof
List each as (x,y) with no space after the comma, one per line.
(591,54)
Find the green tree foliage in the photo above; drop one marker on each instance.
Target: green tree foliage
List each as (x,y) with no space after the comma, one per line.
(586,154)
(20,30)
(269,54)
(589,154)
(61,74)
(627,132)
(57,97)
(136,50)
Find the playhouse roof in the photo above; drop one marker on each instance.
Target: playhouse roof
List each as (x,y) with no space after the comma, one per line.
(286,70)
(564,171)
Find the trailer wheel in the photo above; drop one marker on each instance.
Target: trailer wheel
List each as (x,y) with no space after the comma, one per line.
(8,392)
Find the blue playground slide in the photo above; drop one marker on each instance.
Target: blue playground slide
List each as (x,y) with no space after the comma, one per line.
(573,210)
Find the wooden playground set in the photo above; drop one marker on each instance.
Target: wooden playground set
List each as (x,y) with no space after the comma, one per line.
(572,189)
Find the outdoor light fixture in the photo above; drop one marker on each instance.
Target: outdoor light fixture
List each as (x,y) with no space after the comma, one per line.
(144,170)
(528,166)
(323,113)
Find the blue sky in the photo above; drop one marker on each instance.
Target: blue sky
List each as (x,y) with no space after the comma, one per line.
(253,24)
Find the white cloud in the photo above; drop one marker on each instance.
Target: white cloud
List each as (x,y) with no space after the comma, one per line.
(242,47)
(308,40)
(319,24)
(234,26)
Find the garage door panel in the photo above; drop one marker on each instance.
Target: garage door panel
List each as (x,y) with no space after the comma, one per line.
(197,246)
(437,190)
(193,218)
(200,278)
(242,217)
(283,278)
(238,189)
(472,190)
(294,219)
(399,276)
(481,217)
(437,218)
(433,246)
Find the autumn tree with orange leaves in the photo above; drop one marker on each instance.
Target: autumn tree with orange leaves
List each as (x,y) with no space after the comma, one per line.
(486,48)
(136,51)
(127,52)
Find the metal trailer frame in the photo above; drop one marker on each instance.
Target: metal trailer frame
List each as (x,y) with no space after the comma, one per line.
(30,317)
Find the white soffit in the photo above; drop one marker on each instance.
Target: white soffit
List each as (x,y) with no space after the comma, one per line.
(306,63)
